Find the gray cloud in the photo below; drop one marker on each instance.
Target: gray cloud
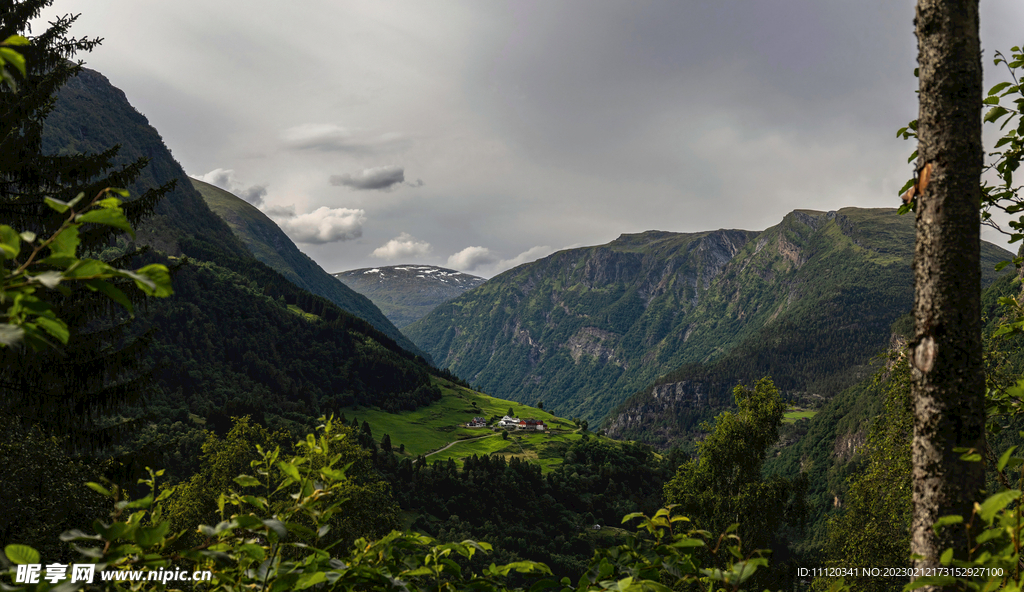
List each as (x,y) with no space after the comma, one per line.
(381,178)
(329,137)
(538,123)
(280,211)
(325,225)
(226,180)
(404,246)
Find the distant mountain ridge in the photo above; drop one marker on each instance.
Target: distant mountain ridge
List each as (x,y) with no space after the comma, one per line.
(583,329)
(406,293)
(269,244)
(236,338)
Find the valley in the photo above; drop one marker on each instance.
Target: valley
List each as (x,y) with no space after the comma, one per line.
(631,332)
(364,423)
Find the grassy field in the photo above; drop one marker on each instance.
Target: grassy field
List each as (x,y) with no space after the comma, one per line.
(794,414)
(433,427)
(438,424)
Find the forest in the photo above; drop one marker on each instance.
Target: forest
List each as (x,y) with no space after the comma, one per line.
(127,446)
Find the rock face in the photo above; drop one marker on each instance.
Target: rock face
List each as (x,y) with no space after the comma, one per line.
(831,285)
(406,293)
(807,301)
(598,320)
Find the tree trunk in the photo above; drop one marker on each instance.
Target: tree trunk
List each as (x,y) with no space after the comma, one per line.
(949,382)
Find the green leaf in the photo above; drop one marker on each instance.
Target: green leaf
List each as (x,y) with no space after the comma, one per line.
(19,40)
(112,532)
(99,489)
(946,521)
(21,554)
(254,551)
(1005,458)
(991,101)
(248,521)
(108,216)
(88,268)
(994,114)
(995,89)
(947,557)
(56,204)
(144,502)
(55,327)
(277,526)
(147,537)
(247,481)
(66,243)
(160,276)
(285,582)
(290,470)
(912,156)
(10,242)
(310,579)
(13,58)
(112,292)
(997,502)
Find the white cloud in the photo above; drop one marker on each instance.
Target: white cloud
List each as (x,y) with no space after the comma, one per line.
(382,177)
(226,180)
(325,225)
(470,258)
(329,137)
(486,261)
(404,246)
(531,254)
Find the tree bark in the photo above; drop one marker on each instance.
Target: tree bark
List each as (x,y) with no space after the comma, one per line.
(948,378)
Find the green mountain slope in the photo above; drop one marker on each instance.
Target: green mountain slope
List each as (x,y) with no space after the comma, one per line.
(849,279)
(575,327)
(269,244)
(91,115)
(236,337)
(406,293)
(584,329)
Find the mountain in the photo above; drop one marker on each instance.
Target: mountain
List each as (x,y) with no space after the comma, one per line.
(583,329)
(237,337)
(269,244)
(406,293)
(91,115)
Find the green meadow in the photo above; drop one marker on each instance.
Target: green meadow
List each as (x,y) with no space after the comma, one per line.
(794,414)
(429,429)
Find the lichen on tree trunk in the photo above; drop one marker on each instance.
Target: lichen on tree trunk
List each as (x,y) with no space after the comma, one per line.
(946,355)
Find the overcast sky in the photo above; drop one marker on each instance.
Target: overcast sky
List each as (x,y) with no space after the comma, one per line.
(480,135)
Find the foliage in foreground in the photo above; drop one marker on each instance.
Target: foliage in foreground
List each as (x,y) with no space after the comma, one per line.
(275,534)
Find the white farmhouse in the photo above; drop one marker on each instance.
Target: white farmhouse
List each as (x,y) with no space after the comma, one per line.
(508,422)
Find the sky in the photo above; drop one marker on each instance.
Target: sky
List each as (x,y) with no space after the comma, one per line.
(483,135)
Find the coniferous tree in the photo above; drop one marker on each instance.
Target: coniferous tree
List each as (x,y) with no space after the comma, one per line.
(63,390)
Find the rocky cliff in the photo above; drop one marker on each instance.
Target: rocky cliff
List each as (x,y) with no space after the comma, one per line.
(807,301)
